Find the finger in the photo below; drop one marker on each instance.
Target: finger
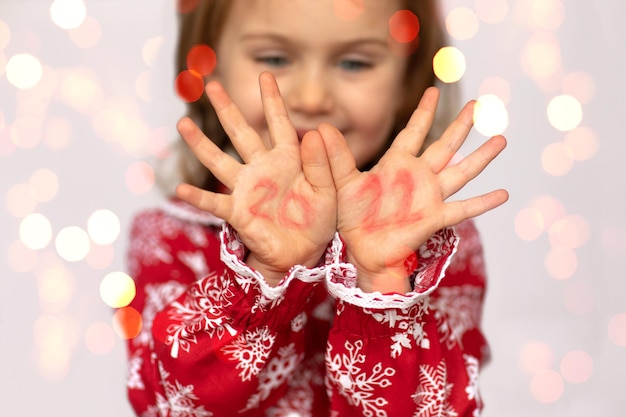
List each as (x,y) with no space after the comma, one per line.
(223,166)
(279,125)
(315,163)
(457,211)
(441,152)
(342,163)
(245,140)
(453,178)
(215,203)
(411,138)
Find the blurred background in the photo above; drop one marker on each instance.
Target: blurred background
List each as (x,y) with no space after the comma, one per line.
(88,108)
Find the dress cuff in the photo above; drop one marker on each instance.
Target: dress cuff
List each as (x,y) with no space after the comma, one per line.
(433,257)
(233,253)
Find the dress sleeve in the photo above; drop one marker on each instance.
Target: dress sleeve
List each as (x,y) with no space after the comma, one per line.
(386,355)
(223,344)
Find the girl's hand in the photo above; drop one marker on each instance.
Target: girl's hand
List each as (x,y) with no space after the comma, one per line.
(282,200)
(387,213)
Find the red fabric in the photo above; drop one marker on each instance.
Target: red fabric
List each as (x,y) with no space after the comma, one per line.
(217,341)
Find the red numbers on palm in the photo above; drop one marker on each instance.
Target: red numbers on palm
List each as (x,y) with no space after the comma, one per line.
(294,211)
(373,219)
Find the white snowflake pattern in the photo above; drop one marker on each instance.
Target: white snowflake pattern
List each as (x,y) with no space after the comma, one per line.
(404,321)
(472,365)
(133,379)
(433,392)
(157,297)
(298,322)
(457,310)
(178,400)
(250,350)
(277,372)
(356,384)
(196,261)
(201,311)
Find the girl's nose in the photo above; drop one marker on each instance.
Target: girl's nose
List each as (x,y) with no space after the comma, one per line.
(310,93)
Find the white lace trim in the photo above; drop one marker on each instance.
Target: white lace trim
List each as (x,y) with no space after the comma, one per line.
(186,212)
(232,252)
(439,249)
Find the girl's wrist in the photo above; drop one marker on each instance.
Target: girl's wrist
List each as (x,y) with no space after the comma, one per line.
(386,281)
(272,276)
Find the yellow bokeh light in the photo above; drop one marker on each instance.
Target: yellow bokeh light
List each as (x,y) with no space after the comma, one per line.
(576,366)
(564,112)
(490,115)
(492,11)
(529,224)
(535,356)
(72,243)
(617,329)
(462,23)
(548,14)
(5,35)
(55,287)
(150,49)
(557,159)
(54,363)
(24,71)
(139,177)
(80,89)
(547,386)
(68,14)
(542,55)
(35,231)
(103,226)
(117,289)
(449,64)
(87,35)
(99,338)
(43,185)
(583,142)
(561,263)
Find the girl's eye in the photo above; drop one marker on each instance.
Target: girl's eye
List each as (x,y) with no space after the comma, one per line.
(354,65)
(272,61)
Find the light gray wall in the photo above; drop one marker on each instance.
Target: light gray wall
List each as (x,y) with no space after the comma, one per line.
(532,320)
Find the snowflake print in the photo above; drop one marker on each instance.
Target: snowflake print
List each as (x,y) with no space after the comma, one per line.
(250,350)
(133,379)
(179,399)
(196,261)
(457,310)
(471,363)
(433,392)
(147,246)
(157,297)
(298,322)
(354,383)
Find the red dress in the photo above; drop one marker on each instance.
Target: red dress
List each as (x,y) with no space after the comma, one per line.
(218,341)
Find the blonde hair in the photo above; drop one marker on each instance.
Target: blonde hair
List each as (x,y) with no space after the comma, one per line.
(203,25)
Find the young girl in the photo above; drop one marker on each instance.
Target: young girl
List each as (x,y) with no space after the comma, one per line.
(309,269)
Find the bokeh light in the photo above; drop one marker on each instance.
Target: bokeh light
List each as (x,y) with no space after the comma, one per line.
(19,200)
(45,88)
(550,208)
(26,132)
(55,336)
(150,49)
(497,86)
(100,338)
(462,23)
(561,263)
(55,287)
(617,329)
(449,64)
(490,115)
(492,11)
(348,10)
(201,59)
(546,386)
(87,35)
(58,133)
(80,89)
(576,366)
(5,35)
(580,85)
(117,289)
(542,55)
(189,85)
(21,258)
(547,14)
(72,243)
(579,298)
(43,185)
(127,322)
(529,224)
(139,177)
(557,159)
(110,123)
(35,231)
(7,147)
(103,226)
(583,142)
(404,26)
(24,71)
(535,356)
(571,231)
(68,14)
(564,112)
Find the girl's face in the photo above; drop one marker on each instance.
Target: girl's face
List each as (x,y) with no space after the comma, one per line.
(328,70)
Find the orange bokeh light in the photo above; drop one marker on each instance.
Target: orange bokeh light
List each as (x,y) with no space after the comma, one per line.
(404,26)
(127,322)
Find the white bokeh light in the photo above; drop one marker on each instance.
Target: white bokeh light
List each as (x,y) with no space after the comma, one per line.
(72,244)
(103,226)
